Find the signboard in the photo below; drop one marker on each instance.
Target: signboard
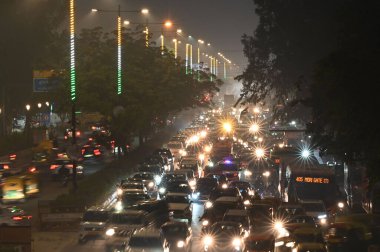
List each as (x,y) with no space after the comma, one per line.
(44,81)
(313,180)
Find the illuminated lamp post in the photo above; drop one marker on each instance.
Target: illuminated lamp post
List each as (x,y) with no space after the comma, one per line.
(119,40)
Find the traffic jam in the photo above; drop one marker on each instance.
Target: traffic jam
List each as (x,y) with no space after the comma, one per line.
(225,183)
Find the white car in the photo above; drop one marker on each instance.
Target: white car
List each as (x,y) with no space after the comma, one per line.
(315,209)
(179,205)
(120,227)
(131,187)
(93,222)
(147,240)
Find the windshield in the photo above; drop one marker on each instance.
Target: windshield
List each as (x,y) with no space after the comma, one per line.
(146,241)
(226,229)
(314,207)
(182,188)
(266,245)
(302,219)
(127,219)
(95,216)
(177,199)
(239,219)
(134,197)
(144,176)
(132,186)
(174,230)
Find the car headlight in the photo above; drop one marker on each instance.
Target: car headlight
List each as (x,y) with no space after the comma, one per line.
(290,244)
(236,242)
(119,191)
(180,244)
(157,179)
(162,190)
(119,206)
(151,184)
(278,225)
(110,232)
(208,204)
(224,186)
(205,223)
(207,240)
(192,182)
(195,195)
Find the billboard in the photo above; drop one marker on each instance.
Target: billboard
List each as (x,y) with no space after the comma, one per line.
(44,80)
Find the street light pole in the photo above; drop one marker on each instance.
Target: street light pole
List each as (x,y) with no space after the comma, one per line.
(187,57)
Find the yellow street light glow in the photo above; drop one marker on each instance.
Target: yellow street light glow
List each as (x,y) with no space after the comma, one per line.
(254,128)
(168,24)
(227,127)
(208,148)
(259,152)
(145,11)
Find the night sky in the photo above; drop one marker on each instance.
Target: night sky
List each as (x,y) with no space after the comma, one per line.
(219,22)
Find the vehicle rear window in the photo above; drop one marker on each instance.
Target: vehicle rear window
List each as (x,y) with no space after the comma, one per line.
(146,241)
(96,216)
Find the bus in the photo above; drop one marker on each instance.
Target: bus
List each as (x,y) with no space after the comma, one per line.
(314,182)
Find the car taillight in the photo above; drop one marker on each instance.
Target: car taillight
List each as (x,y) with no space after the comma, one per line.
(17,218)
(32,169)
(69,166)
(77,133)
(53,167)
(6,167)
(83,150)
(97,152)
(65,137)
(12,157)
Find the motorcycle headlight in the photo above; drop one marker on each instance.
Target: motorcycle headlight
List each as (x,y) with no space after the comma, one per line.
(119,191)
(236,242)
(180,244)
(208,204)
(207,240)
(151,184)
(110,232)
(162,190)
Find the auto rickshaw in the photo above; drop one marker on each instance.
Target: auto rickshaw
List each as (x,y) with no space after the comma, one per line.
(13,189)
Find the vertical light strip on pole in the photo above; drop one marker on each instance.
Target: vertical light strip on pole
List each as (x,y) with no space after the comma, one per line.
(175,48)
(72,53)
(191,58)
(224,69)
(199,61)
(147,36)
(216,67)
(187,57)
(211,68)
(119,52)
(162,43)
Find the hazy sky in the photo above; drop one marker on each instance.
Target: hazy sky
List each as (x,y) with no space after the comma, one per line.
(220,22)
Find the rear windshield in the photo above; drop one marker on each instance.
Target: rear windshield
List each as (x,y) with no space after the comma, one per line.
(127,219)
(95,216)
(146,241)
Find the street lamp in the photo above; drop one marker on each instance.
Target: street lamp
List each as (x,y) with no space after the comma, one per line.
(199,55)
(119,42)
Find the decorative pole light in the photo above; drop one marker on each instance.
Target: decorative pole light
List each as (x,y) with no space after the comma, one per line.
(187,57)
(175,48)
(224,70)
(191,58)
(119,51)
(72,53)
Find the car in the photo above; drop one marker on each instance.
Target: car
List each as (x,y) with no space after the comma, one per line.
(316,209)
(166,153)
(148,178)
(147,239)
(223,236)
(121,225)
(220,192)
(259,240)
(179,186)
(244,187)
(157,169)
(190,176)
(91,152)
(68,133)
(14,216)
(156,160)
(260,214)
(238,215)
(158,211)
(61,167)
(203,188)
(129,199)
(131,187)
(191,163)
(287,210)
(215,211)
(299,236)
(177,236)
(93,222)
(310,246)
(179,205)
(299,221)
